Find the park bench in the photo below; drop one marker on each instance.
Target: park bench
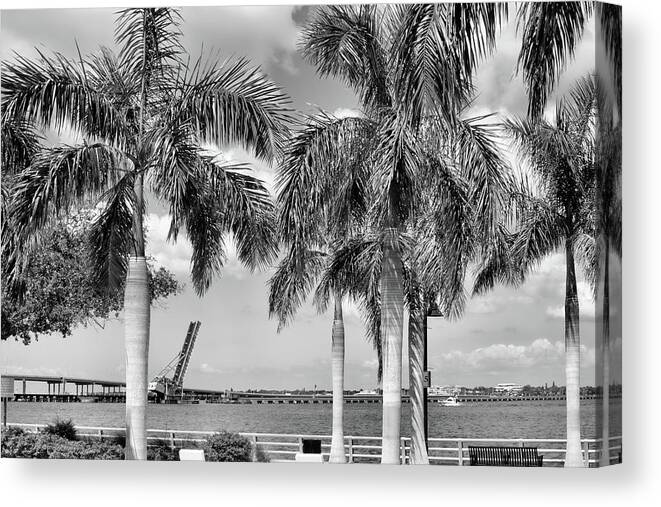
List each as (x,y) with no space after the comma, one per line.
(504,456)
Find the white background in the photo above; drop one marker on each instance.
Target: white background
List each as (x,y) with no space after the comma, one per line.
(636,482)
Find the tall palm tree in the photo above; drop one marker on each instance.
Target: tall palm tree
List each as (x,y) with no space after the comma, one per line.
(145,115)
(306,260)
(608,235)
(557,212)
(551,31)
(405,63)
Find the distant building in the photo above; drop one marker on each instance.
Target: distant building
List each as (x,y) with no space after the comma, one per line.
(444,390)
(508,387)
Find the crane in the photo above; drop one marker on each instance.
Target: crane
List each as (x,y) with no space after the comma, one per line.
(168,388)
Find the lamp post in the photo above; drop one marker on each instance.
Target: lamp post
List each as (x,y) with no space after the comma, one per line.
(432,311)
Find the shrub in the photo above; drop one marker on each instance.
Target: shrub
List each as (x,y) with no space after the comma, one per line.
(19,444)
(161,451)
(64,429)
(226,446)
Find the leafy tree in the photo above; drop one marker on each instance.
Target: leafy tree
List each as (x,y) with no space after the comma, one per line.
(146,116)
(60,293)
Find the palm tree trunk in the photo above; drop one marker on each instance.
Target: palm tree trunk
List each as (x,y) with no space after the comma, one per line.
(417,323)
(392,324)
(136,335)
(337,369)
(604,459)
(137,314)
(573,456)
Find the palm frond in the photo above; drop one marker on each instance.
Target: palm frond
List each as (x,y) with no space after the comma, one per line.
(585,252)
(20,143)
(489,178)
(54,92)
(234,103)
(61,177)
(370,309)
(394,183)
(206,231)
(249,213)
(345,42)
(541,231)
(327,152)
(436,49)
(497,265)
(550,33)
(292,281)
(111,234)
(354,268)
(150,44)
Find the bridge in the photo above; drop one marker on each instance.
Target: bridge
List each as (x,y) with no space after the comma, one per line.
(55,389)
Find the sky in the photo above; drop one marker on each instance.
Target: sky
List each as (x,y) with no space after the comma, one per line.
(508,335)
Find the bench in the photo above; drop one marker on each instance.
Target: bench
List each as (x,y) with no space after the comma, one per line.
(504,456)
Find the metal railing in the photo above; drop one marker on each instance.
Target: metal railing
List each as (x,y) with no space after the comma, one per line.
(363,449)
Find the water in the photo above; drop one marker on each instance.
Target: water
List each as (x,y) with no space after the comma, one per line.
(540,419)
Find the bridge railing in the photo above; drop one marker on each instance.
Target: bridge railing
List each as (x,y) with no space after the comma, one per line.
(362,449)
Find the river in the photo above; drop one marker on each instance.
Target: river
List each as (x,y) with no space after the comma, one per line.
(534,419)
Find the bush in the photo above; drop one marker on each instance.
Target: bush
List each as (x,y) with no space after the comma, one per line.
(64,429)
(16,443)
(226,446)
(161,451)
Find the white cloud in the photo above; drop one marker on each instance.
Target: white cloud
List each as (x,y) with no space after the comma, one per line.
(372,364)
(207,368)
(484,304)
(507,357)
(343,112)
(271,41)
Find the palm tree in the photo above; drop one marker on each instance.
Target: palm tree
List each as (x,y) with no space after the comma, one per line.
(558,212)
(405,63)
(608,232)
(145,116)
(551,32)
(306,261)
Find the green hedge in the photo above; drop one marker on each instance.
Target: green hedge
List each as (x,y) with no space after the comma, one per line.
(17,443)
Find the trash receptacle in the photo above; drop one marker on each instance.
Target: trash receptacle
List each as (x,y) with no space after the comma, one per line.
(311,446)
(311,451)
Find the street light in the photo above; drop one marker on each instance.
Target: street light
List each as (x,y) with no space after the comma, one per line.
(432,311)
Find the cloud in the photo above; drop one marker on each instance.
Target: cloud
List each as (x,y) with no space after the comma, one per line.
(372,364)
(207,368)
(505,358)
(484,305)
(270,41)
(344,112)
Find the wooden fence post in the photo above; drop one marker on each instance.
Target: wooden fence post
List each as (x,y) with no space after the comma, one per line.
(300,445)
(172,440)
